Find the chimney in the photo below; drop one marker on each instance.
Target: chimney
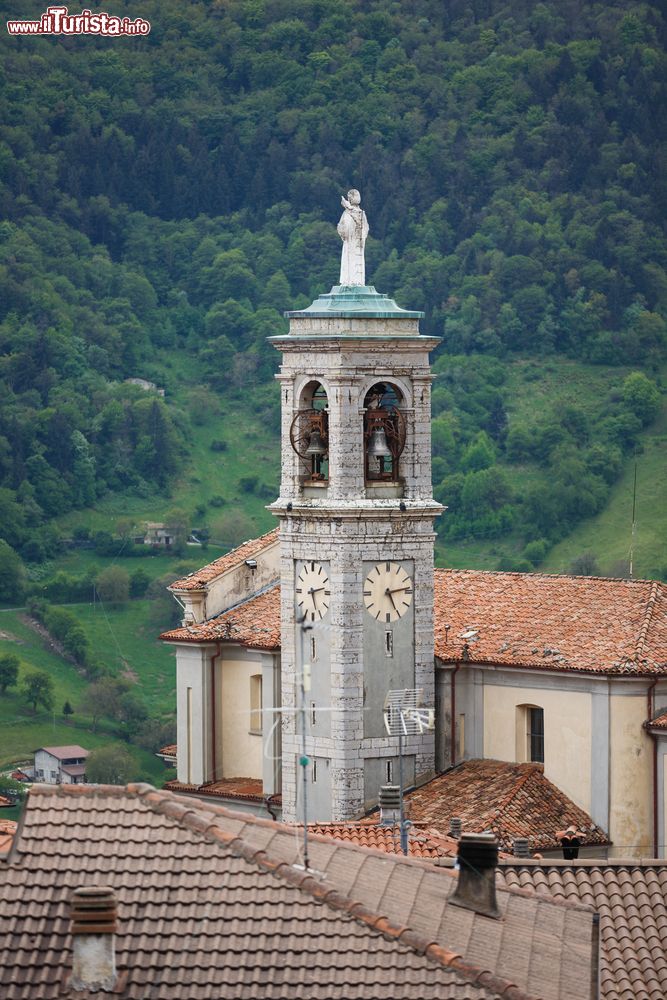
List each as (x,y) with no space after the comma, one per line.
(521,847)
(476,888)
(455,826)
(93,916)
(390,804)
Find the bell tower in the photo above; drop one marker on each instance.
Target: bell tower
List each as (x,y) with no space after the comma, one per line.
(356,518)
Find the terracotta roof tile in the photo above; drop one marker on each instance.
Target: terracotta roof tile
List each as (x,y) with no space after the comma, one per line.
(255,624)
(423,841)
(199,579)
(659,723)
(169,751)
(512,800)
(631,900)
(551,622)
(249,789)
(7,832)
(214,902)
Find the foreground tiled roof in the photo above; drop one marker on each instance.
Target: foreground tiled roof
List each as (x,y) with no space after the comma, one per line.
(659,723)
(423,842)
(551,622)
(199,579)
(169,751)
(214,903)
(255,623)
(631,899)
(512,800)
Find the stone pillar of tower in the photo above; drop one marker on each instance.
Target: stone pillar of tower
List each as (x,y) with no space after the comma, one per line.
(357,537)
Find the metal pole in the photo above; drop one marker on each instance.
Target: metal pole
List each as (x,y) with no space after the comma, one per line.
(404,831)
(304,756)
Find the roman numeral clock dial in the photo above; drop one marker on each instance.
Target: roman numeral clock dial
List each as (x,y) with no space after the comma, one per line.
(312,592)
(387,592)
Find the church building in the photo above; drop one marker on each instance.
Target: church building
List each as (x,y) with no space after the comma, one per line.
(290,645)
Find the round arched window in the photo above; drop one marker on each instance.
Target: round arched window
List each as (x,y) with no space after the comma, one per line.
(309,434)
(384,432)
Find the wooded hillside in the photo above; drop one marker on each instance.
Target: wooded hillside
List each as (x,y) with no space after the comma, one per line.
(170,196)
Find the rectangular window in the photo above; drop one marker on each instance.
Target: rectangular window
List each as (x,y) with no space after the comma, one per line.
(256,704)
(388,642)
(312,713)
(390,772)
(314,770)
(536,734)
(313,648)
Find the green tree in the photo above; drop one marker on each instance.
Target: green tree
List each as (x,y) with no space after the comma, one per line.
(585,565)
(102,699)
(67,711)
(480,454)
(113,585)
(110,765)
(12,574)
(37,688)
(641,396)
(139,583)
(9,671)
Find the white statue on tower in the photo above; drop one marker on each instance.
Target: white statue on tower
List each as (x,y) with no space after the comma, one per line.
(353,230)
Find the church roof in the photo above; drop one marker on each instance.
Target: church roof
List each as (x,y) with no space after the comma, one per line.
(200,577)
(573,623)
(256,624)
(532,620)
(511,800)
(213,900)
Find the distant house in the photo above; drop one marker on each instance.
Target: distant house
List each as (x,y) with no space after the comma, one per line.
(145,384)
(61,765)
(158,533)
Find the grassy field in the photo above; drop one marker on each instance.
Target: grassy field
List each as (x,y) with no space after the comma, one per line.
(125,640)
(120,638)
(609,535)
(17,638)
(18,742)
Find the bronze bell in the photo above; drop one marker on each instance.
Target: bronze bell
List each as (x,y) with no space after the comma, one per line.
(377,446)
(316,445)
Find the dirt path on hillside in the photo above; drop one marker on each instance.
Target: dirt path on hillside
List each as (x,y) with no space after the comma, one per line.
(50,642)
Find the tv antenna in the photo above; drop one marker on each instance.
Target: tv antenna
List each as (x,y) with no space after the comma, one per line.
(406,715)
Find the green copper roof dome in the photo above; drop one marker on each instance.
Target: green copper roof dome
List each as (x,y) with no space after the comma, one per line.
(354,300)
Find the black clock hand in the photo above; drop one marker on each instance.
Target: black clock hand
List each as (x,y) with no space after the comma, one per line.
(388,593)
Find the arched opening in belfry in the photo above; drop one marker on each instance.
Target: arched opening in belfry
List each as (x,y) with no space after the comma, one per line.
(384,433)
(309,434)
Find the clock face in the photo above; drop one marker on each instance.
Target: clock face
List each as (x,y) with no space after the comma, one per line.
(312,592)
(387,592)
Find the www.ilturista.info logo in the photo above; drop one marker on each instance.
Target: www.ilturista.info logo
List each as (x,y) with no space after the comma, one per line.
(58,21)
